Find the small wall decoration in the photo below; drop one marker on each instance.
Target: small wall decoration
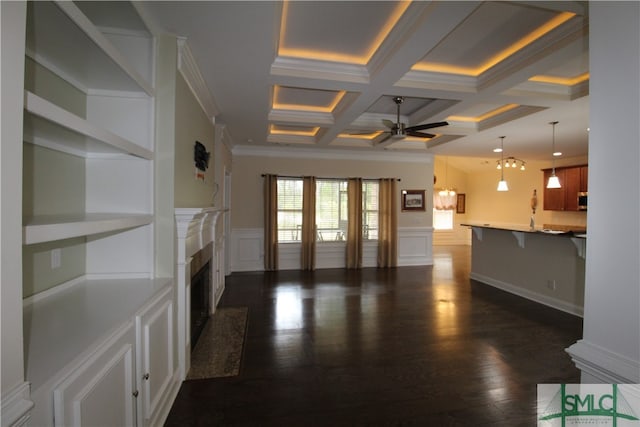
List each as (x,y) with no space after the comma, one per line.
(201,158)
(460,205)
(413,200)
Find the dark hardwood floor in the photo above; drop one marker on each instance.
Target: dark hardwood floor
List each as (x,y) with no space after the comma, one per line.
(422,346)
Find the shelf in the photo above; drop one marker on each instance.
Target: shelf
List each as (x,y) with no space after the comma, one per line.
(53,127)
(47,228)
(71,320)
(61,38)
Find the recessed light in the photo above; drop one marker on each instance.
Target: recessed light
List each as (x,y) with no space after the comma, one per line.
(497,150)
(557,154)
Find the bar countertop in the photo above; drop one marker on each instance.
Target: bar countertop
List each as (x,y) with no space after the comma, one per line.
(527,229)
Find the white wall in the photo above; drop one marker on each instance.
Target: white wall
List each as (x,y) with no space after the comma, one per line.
(610,348)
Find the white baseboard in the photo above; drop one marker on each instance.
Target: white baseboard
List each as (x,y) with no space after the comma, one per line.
(16,406)
(603,364)
(170,397)
(530,295)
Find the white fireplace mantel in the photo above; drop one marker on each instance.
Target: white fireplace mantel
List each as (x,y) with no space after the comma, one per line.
(195,229)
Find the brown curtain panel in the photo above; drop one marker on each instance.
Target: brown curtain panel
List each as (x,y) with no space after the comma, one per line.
(309,223)
(354,230)
(388,224)
(270,222)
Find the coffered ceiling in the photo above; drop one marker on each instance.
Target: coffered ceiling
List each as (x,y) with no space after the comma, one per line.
(324,74)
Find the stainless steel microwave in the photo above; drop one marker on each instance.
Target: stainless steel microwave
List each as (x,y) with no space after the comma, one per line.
(582,200)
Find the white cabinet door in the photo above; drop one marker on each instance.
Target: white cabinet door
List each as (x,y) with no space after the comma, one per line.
(101,391)
(154,327)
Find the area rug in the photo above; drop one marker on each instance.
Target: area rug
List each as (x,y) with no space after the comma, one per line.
(218,351)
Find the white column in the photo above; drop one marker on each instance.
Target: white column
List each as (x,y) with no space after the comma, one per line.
(16,403)
(609,351)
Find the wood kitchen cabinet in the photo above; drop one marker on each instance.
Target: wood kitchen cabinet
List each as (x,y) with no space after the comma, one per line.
(584,178)
(573,180)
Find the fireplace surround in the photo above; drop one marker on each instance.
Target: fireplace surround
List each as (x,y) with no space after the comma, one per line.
(198,243)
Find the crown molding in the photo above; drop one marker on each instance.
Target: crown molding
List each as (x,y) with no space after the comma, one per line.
(332,154)
(189,69)
(312,69)
(306,117)
(222,136)
(513,114)
(438,81)
(533,53)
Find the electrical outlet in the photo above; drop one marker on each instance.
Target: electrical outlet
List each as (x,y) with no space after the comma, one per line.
(56,258)
(551,284)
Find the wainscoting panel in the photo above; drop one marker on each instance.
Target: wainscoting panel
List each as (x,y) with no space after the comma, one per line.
(331,255)
(247,249)
(289,256)
(415,246)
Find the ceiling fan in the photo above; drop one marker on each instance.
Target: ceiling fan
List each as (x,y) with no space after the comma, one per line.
(398,130)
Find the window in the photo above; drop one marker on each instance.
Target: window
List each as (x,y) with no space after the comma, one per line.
(331,210)
(370,210)
(289,210)
(443,219)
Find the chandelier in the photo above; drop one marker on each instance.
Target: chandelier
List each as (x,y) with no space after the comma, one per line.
(446,198)
(511,162)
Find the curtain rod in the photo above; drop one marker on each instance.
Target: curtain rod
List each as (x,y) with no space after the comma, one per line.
(318,177)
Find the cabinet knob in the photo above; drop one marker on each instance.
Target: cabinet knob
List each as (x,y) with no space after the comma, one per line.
(135,393)
(146,376)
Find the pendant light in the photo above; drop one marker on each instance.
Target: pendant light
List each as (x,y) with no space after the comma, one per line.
(502,185)
(554,182)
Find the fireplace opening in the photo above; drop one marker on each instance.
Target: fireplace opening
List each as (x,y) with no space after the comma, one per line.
(200,289)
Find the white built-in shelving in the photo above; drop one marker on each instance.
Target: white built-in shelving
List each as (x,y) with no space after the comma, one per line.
(53,127)
(47,228)
(67,42)
(102,51)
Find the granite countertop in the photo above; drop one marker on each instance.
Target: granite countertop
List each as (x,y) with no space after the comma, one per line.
(526,229)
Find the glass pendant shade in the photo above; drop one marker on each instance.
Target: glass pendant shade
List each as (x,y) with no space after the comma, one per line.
(502,185)
(553,182)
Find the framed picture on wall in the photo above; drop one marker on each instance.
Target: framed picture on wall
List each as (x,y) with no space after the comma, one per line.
(460,205)
(413,200)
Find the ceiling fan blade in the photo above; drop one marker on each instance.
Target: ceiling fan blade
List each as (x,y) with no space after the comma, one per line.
(362,132)
(385,138)
(427,126)
(388,123)
(420,134)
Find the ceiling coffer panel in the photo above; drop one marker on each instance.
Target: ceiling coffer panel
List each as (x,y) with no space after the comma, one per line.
(324,30)
(489,35)
(306,99)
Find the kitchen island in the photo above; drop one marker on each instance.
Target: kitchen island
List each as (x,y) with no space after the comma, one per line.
(546,266)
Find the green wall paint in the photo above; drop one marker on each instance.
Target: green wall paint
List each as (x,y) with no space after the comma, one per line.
(53,183)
